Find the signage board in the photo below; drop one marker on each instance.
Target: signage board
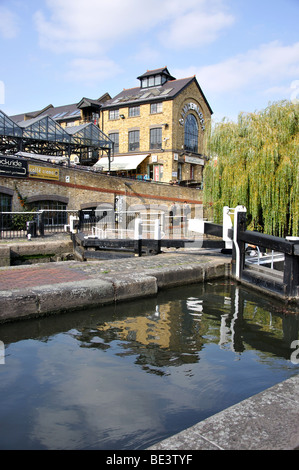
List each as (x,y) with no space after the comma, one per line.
(13,166)
(194,160)
(46,173)
(194,107)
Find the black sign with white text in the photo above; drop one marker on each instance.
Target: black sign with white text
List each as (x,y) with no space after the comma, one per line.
(12,166)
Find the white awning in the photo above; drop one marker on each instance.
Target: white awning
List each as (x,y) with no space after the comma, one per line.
(124,163)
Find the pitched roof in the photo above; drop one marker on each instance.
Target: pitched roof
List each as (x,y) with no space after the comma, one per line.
(161,71)
(53,112)
(64,112)
(167,91)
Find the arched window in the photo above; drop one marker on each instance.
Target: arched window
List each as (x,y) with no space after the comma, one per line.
(54,211)
(191,134)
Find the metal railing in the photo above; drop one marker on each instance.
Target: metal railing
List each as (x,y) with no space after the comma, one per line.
(34,223)
(107,223)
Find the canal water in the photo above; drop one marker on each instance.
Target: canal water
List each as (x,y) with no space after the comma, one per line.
(129,375)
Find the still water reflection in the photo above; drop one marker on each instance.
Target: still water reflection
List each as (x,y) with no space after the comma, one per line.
(127,376)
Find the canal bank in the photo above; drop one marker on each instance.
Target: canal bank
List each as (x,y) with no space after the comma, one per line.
(43,289)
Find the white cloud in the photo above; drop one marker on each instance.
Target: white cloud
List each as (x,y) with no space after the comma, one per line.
(146,54)
(262,68)
(8,23)
(92,27)
(90,70)
(196,28)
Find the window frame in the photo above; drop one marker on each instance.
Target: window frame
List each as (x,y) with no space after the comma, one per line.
(54,211)
(191,131)
(156,138)
(134,111)
(156,106)
(133,140)
(115,141)
(113,114)
(5,206)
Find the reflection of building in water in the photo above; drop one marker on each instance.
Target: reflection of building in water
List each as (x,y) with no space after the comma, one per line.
(166,327)
(154,328)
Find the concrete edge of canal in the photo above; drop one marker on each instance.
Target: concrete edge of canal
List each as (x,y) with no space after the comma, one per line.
(52,297)
(266,421)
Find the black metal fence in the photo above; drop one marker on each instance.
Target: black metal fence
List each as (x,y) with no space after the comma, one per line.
(35,223)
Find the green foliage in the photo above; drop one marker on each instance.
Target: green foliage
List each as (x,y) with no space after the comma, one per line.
(19,220)
(255,162)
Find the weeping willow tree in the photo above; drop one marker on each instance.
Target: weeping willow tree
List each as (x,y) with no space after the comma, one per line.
(255,162)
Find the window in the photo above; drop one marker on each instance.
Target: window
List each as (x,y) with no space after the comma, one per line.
(54,212)
(5,202)
(156,108)
(154,80)
(156,138)
(114,114)
(133,141)
(151,81)
(180,172)
(158,80)
(191,134)
(5,206)
(134,111)
(115,138)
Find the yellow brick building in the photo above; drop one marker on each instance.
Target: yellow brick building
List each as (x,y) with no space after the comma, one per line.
(158,129)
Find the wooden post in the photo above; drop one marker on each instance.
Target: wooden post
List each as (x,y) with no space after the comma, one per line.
(291,275)
(238,252)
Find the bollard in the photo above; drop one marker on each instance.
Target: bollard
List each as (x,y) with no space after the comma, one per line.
(157,235)
(138,237)
(227,225)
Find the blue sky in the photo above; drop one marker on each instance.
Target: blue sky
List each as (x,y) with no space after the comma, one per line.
(244,53)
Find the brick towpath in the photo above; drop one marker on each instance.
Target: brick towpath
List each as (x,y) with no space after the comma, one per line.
(44,274)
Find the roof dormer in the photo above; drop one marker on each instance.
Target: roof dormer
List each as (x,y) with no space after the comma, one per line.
(156,77)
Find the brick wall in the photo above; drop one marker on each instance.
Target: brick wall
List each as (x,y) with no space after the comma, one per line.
(81,188)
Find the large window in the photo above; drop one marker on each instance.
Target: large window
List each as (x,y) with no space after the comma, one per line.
(156,138)
(191,134)
(114,114)
(54,212)
(134,111)
(133,141)
(5,202)
(5,206)
(156,108)
(114,136)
